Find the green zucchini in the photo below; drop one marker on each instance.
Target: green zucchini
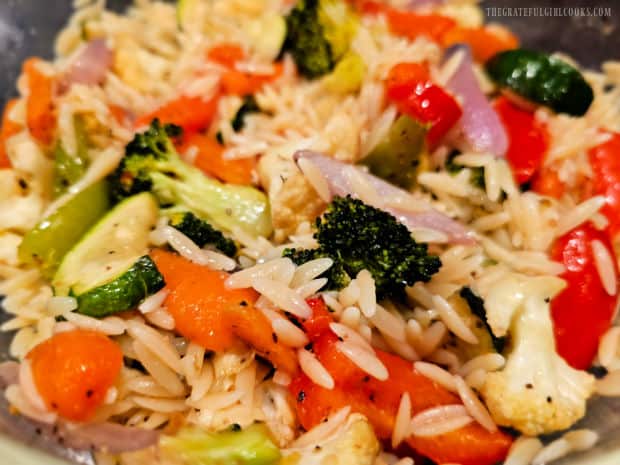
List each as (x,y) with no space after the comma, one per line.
(52,238)
(397,157)
(124,292)
(110,248)
(69,168)
(542,79)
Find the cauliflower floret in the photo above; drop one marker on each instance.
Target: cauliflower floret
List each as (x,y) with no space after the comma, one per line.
(355,443)
(537,392)
(293,199)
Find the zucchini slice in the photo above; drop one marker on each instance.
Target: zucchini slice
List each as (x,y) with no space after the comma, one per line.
(124,292)
(542,79)
(52,238)
(110,248)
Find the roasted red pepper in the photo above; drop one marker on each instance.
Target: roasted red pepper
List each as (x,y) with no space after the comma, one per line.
(529,139)
(408,85)
(379,400)
(583,312)
(191,113)
(605,163)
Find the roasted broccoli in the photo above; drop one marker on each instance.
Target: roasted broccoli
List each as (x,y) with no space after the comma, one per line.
(202,233)
(477,174)
(337,277)
(318,34)
(476,305)
(249,105)
(152,164)
(357,237)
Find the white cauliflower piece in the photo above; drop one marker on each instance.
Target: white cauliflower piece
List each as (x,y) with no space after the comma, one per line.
(355,443)
(537,392)
(504,297)
(293,199)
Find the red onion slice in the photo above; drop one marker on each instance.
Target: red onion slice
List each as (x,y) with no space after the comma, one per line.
(338,182)
(89,67)
(480,124)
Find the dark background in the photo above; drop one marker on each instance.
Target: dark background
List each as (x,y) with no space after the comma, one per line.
(28,27)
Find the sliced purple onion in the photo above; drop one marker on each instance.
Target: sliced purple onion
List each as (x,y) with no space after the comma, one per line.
(480,125)
(337,182)
(89,67)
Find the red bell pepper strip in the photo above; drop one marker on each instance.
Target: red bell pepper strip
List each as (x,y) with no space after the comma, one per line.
(409,87)
(191,113)
(8,129)
(528,140)
(605,163)
(583,311)
(379,400)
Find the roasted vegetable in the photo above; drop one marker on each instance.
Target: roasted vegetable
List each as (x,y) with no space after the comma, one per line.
(248,106)
(69,168)
(73,371)
(202,233)
(53,237)
(397,156)
(357,237)
(348,75)
(195,446)
(318,34)
(476,305)
(542,79)
(123,292)
(536,392)
(106,253)
(151,164)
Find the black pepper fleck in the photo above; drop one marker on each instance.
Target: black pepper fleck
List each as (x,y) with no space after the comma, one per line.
(301,395)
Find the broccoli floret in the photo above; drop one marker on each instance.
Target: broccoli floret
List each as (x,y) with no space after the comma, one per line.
(536,392)
(306,41)
(249,105)
(337,277)
(202,233)
(476,305)
(357,237)
(152,164)
(318,33)
(477,173)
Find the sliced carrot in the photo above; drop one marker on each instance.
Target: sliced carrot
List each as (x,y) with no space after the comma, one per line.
(226,54)
(239,83)
(209,314)
(211,161)
(40,111)
(485,42)
(74,370)
(412,25)
(191,113)
(9,128)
